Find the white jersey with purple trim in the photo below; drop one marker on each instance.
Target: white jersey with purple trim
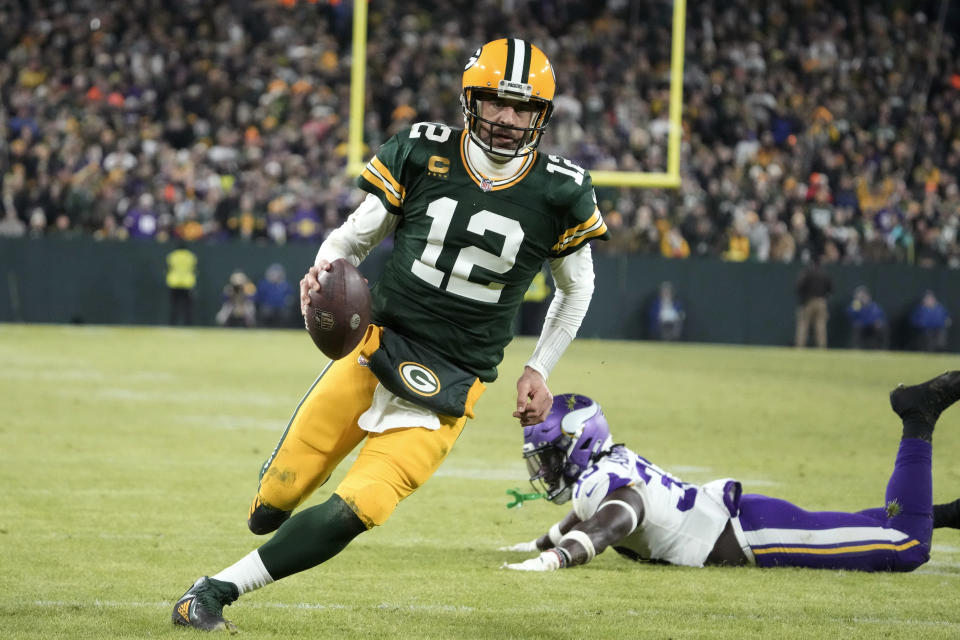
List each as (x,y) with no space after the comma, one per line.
(681,521)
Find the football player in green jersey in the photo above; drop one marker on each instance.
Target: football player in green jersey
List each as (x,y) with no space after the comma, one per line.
(475,213)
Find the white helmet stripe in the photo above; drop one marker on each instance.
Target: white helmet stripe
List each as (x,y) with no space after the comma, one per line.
(519,57)
(573,421)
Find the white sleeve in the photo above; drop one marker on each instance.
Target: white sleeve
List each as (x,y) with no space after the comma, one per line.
(573,275)
(360,233)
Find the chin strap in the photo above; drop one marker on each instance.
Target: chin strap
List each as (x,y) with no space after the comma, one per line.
(519,497)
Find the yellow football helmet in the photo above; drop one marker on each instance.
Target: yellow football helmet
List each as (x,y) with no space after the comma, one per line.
(508,69)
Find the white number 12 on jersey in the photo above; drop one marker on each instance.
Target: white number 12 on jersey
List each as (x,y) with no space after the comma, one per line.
(480,223)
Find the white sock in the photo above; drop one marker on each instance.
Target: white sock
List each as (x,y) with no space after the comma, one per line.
(248,573)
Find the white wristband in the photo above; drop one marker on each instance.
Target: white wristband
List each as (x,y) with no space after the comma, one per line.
(584,540)
(550,560)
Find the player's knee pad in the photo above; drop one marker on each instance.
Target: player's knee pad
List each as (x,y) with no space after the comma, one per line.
(265,519)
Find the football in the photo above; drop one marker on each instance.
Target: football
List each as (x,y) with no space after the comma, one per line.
(338,314)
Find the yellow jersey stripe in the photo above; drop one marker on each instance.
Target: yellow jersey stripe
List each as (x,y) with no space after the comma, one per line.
(383,180)
(376,172)
(381,169)
(879,546)
(573,236)
(599,231)
(581,228)
(375,181)
(371,175)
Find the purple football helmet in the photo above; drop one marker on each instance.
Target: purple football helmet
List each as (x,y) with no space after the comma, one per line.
(561,447)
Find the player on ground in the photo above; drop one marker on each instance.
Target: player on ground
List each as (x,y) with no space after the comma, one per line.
(622,500)
(474,214)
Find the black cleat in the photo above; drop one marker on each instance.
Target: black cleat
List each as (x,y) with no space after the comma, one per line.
(947,515)
(265,519)
(201,607)
(927,399)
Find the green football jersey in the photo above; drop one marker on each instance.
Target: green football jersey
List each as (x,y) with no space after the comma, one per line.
(466,247)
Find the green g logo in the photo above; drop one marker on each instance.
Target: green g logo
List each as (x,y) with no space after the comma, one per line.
(419,379)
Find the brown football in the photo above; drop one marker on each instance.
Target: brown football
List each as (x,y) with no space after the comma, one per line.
(338,315)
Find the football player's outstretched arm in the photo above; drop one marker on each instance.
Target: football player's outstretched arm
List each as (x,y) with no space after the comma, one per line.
(363,230)
(618,515)
(550,538)
(573,275)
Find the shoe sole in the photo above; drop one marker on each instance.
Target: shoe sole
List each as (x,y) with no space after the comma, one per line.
(181,617)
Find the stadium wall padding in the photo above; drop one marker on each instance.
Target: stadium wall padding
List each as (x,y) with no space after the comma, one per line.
(84,281)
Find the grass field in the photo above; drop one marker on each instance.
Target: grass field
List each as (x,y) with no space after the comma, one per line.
(128,457)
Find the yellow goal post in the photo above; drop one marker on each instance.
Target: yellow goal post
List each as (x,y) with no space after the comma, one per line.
(669,179)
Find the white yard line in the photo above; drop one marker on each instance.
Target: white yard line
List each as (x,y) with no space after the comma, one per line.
(855,619)
(215,399)
(231,422)
(516,474)
(757,482)
(933,572)
(945,548)
(116,604)
(26,373)
(681,469)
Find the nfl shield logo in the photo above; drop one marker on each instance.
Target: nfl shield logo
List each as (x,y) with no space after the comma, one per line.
(486,185)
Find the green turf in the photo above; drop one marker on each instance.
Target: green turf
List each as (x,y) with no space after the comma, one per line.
(128,458)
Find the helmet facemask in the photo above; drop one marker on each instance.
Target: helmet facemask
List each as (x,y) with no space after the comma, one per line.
(547,465)
(482,130)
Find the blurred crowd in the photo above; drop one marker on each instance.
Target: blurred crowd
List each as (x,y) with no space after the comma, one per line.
(811,129)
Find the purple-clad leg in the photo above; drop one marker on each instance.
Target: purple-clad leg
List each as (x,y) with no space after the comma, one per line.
(895,538)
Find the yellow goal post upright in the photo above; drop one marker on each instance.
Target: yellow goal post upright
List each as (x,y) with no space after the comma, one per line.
(669,179)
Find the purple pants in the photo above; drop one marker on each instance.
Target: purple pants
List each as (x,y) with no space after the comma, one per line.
(895,538)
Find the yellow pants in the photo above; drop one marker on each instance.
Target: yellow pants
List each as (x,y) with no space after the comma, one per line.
(389,467)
